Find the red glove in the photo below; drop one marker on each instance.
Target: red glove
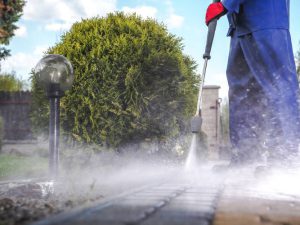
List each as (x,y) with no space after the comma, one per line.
(214,11)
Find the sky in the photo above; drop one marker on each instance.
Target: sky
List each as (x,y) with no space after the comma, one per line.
(44,21)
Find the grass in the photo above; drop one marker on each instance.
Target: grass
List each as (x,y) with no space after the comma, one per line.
(12,166)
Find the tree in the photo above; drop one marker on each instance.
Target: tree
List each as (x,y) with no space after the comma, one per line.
(132,82)
(10,13)
(9,82)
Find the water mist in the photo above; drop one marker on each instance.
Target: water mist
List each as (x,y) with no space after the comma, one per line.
(191,161)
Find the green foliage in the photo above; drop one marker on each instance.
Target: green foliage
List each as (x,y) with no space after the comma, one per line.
(132,82)
(1,132)
(9,82)
(8,18)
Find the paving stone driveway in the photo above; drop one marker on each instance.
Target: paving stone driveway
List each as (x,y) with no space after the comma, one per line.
(160,204)
(270,200)
(236,200)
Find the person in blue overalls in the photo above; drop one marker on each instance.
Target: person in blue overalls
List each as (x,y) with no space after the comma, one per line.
(263,85)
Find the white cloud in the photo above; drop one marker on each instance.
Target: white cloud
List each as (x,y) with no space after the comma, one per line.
(40,50)
(175,21)
(58,26)
(60,14)
(97,7)
(143,11)
(21,31)
(23,62)
(220,80)
(48,10)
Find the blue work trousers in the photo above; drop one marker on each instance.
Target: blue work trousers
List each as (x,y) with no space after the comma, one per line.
(263,95)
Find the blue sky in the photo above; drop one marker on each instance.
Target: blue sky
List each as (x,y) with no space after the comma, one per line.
(44,21)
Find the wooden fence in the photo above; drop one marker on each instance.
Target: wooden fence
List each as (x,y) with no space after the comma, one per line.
(15,111)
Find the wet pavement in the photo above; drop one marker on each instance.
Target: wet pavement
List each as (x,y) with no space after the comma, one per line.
(273,199)
(238,198)
(167,203)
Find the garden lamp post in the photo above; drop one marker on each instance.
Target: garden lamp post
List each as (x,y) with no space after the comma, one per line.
(54,73)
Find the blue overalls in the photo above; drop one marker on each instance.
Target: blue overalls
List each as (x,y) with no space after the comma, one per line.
(263,85)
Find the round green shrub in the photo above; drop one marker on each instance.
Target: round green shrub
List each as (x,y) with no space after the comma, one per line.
(132,81)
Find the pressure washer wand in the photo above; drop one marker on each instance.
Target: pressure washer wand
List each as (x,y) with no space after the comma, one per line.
(196,121)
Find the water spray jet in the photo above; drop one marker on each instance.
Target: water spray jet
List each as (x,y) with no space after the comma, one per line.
(196,121)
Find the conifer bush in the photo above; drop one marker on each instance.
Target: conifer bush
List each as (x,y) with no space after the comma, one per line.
(9,16)
(132,81)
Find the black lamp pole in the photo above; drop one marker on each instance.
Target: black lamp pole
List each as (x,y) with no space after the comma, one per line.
(54,95)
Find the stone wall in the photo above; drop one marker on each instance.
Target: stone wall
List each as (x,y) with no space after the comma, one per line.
(211,119)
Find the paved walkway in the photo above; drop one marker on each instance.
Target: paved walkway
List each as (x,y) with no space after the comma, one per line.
(270,200)
(237,200)
(160,204)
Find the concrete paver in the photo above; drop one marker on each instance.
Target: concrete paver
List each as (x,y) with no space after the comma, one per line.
(256,202)
(239,211)
(229,203)
(161,204)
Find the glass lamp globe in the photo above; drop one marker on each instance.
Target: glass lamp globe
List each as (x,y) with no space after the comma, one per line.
(54,70)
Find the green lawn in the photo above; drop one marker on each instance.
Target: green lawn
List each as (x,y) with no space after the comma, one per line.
(22,167)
